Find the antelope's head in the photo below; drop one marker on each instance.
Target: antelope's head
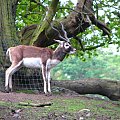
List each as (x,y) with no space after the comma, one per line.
(64,42)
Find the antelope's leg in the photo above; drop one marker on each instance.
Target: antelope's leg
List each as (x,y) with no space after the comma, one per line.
(49,87)
(16,68)
(7,79)
(9,72)
(44,78)
(8,76)
(10,82)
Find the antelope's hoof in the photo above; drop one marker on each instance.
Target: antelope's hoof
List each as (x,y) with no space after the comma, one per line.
(48,94)
(7,90)
(10,90)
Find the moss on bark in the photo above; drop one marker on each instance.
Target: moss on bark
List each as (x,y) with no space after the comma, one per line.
(45,24)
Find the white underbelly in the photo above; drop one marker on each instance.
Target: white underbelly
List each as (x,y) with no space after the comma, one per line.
(52,63)
(32,62)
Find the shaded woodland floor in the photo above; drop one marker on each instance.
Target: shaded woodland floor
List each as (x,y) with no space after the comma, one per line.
(64,107)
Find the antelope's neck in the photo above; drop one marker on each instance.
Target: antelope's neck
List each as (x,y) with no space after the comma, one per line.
(59,54)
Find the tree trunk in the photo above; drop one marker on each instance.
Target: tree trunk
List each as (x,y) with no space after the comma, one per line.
(108,88)
(8,35)
(7,20)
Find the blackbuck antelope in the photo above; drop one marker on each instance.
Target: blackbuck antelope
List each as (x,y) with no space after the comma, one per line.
(36,57)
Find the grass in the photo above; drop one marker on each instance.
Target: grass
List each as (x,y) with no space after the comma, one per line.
(25,91)
(99,108)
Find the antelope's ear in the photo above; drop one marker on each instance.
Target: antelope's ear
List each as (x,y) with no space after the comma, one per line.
(59,41)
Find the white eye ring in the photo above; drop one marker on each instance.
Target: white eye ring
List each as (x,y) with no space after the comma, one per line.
(66,45)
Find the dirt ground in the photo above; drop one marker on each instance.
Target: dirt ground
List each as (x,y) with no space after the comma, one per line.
(8,113)
(13,112)
(19,97)
(36,97)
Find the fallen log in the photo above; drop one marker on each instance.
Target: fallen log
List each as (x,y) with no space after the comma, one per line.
(108,88)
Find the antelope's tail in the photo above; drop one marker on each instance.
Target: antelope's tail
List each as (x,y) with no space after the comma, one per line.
(7,53)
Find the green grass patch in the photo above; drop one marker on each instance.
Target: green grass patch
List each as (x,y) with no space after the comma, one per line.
(25,91)
(100,109)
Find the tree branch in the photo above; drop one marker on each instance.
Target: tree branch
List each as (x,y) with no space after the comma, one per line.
(77,21)
(41,28)
(80,42)
(35,105)
(97,46)
(102,26)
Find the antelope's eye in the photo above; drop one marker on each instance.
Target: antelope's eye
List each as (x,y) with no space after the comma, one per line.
(66,45)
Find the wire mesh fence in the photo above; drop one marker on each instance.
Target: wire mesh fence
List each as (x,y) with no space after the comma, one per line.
(23,79)
(27,78)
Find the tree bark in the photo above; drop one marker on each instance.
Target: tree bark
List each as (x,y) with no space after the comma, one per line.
(108,88)
(8,35)
(45,24)
(7,20)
